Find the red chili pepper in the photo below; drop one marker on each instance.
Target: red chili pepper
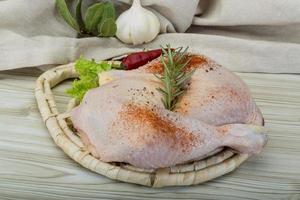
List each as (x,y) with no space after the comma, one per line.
(135,60)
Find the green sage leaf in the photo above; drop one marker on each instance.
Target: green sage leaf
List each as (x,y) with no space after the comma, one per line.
(64,11)
(107,28)
(93,16)
(109,11)
(79,16)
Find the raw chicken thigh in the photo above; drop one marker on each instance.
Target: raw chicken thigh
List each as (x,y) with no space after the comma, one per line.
(124,120)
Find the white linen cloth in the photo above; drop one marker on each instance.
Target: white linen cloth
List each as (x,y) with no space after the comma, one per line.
(245,36)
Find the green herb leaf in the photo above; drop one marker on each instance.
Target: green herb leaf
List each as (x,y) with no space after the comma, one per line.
(79,16)
(80,87)
(93,16)
(99,19)
(107,28)
(109,11)
(174,76)
(88,71)
(66,14)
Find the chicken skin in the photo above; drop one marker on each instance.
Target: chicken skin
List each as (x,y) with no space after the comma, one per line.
(124,120)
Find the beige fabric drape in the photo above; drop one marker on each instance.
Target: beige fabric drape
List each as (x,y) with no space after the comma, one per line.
(257,35)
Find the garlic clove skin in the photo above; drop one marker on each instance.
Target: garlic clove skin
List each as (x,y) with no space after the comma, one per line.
(137,25)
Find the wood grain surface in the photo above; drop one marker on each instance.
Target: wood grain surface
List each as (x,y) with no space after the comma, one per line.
(33,167)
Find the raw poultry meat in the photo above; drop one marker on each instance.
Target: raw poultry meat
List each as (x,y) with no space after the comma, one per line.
(124,120)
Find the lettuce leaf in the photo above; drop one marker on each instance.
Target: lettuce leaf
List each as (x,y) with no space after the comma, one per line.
(88,77)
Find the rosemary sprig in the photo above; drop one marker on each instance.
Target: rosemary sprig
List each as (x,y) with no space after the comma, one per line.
(174,77)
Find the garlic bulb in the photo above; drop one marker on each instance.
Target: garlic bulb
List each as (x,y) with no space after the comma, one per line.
(137,25)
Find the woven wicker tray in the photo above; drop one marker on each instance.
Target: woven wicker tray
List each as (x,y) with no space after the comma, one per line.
(60,128)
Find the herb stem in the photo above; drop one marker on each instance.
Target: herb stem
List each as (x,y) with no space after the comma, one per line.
(174,77)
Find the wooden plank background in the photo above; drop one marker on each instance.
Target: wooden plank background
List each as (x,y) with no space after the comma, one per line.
(33,167)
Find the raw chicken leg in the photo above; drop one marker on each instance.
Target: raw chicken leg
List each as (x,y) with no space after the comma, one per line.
(124,120)
(215,95)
